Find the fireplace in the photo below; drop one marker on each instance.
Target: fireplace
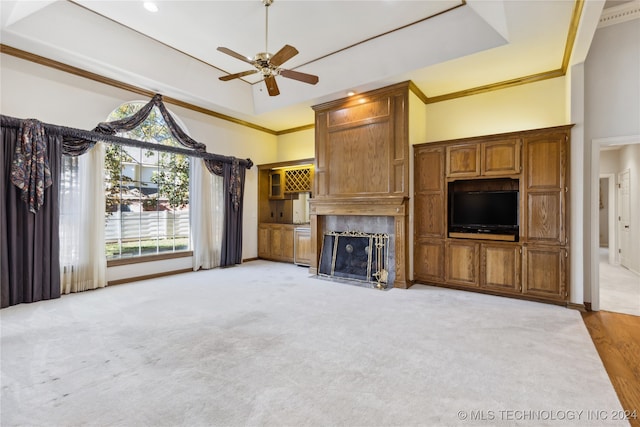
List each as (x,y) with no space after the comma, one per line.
(338,223)
(356,256)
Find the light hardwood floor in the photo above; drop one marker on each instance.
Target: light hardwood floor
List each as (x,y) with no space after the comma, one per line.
(617,339)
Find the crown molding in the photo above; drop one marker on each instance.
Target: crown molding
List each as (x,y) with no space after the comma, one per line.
(47,62)
(618,14)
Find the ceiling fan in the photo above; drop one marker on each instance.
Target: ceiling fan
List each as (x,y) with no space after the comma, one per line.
(268,64)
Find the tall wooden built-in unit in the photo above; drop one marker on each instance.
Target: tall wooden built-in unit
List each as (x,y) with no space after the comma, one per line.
(362,166)
(533,264)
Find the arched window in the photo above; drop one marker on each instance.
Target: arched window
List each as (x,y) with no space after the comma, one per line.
(146,191)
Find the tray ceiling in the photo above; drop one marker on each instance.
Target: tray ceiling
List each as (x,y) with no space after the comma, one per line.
(442,46)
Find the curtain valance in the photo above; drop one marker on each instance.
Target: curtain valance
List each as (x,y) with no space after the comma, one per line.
(78,141)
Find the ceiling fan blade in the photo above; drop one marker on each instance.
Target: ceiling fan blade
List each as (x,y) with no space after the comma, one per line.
(235,54)
(272,86)
(297,75)
(237,75)
(283,55)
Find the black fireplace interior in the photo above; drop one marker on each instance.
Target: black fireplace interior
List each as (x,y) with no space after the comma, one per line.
(354,256)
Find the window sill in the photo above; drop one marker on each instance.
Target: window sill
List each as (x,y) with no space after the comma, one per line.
(148,258)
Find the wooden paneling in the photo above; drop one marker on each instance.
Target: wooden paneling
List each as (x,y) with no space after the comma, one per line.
(545,161)
(361,155)
(544,219)
(501,157)
(463,160)
(428,260)
(545,272)
(546,188)
(359,114)
(462,261)
(264,241)
(500,267)
(429,201)
(362,145)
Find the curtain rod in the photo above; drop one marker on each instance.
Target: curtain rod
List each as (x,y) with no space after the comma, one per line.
(7,121)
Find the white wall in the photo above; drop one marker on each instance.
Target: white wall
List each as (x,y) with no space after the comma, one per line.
(612,110)
(30,90)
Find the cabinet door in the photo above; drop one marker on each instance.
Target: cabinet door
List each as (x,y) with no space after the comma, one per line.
(428,260)
(462,263)
(276,184)
(264,241)
(302,246)
(501,157)
(545,272)
(287,243)
(429,202)
(463,160)
(500,267)
(545,188)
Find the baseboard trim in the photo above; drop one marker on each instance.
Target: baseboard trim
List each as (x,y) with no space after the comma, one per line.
(577,306)
(148,276)
(250,259)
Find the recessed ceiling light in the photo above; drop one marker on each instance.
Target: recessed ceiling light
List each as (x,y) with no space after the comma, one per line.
(150,6)
(351,93)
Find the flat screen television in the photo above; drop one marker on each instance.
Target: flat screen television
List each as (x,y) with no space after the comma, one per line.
(484,212)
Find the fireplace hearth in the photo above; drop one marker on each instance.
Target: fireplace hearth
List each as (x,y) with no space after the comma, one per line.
(356,256)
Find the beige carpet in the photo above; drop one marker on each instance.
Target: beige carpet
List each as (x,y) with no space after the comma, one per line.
(265,344)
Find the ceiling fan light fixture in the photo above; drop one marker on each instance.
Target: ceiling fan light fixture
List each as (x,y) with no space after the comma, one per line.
(267,64)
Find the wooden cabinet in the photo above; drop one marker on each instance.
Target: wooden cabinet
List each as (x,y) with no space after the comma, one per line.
(545,188)
(532,264)
(279,188)
(463,160)
(462,262)
(264,241)
(275,242)
(428,260)
(302,246)
(429,192)
(500,267)
(500,157)
(276,184)
(545,272)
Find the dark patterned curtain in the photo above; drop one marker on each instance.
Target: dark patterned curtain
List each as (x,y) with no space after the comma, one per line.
(233,205)
(29,245)
(29,169)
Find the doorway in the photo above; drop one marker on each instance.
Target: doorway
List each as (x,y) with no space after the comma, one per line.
(615,244)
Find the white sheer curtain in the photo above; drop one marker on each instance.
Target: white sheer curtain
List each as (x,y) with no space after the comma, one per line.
(83,264)
(206,203)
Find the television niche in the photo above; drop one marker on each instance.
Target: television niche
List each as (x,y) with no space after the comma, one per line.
(492,211)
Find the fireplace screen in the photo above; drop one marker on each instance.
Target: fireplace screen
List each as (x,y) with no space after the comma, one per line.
(355,256)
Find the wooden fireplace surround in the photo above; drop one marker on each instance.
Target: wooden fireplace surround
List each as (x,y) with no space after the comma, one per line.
(362,166)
